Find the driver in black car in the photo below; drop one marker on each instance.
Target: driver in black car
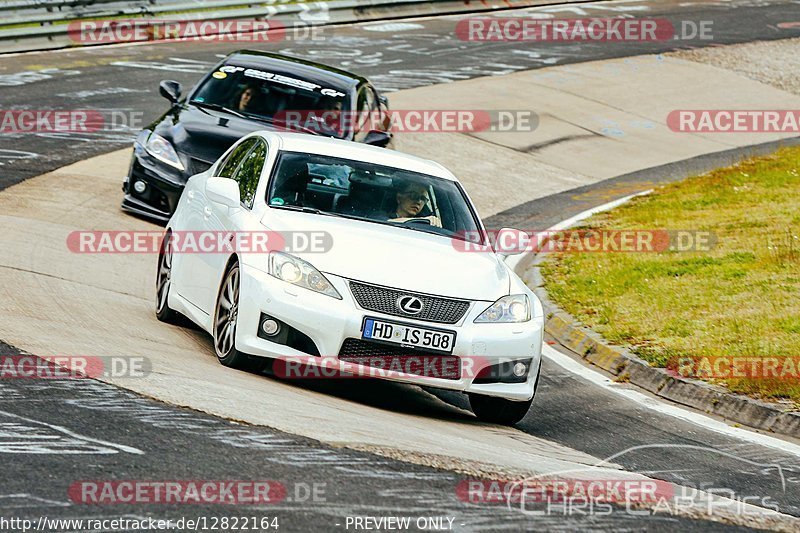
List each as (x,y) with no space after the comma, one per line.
(412,203)
(248,98)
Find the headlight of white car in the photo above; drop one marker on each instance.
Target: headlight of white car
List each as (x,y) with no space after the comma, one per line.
(294,270)
(160,148)
(508,309)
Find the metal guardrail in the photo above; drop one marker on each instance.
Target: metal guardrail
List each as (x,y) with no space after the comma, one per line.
(47,4)
(37,24)
(65,11)
(47,24)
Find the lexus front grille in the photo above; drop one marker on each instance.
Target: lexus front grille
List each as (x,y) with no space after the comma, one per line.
(385,300)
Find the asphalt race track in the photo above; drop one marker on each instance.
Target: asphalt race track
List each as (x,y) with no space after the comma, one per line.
(180,441)
(41,459)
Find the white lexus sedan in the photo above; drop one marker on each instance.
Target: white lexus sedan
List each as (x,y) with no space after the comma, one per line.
(406,283)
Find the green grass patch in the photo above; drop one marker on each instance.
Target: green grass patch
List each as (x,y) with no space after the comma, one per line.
(740,298)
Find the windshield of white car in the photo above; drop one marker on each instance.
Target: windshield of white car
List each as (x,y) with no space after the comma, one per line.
(346,188)
(273,98)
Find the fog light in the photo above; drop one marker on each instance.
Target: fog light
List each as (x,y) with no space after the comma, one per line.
(139,186)
(520,369)
(270,327)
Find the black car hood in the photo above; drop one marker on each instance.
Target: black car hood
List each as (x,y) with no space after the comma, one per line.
(205,134)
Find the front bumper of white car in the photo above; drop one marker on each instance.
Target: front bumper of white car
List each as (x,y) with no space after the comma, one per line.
(323,328)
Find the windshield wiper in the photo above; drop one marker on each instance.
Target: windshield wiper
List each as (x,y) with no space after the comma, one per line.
(260,118)
(418,221)
(302,209)
(316,211)
(217,107)
(424,227)
(289,125)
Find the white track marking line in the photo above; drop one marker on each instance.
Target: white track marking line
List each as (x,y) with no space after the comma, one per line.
(514,260)
(599,209)
(664,407)
(120,447)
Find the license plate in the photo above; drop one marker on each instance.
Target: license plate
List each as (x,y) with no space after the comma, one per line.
(408,336)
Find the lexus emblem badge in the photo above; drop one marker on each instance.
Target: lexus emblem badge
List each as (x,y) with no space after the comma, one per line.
(410,305)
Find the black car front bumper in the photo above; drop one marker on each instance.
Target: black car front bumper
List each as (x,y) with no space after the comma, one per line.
(163,185)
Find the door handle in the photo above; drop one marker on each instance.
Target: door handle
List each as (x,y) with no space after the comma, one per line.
(190,195)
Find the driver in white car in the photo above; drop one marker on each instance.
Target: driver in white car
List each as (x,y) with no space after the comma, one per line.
(412,200)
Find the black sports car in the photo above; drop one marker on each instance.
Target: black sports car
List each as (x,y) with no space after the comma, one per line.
(245,92)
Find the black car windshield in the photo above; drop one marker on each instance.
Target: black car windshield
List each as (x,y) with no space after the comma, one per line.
(272,97)
(375,193)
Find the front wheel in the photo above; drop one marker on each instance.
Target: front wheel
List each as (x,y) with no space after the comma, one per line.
(225,320)
(498,410)
(164,282)
(502,411)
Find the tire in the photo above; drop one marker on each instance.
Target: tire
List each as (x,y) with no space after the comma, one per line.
(225,319)
(164,282)
(498,410)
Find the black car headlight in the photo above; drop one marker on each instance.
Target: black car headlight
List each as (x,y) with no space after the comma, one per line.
(160,148)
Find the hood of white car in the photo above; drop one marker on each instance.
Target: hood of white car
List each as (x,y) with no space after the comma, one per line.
(396,257)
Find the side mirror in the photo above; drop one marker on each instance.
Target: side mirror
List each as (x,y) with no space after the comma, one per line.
(171,90)
(378,138)
(223,191)
(509,241)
